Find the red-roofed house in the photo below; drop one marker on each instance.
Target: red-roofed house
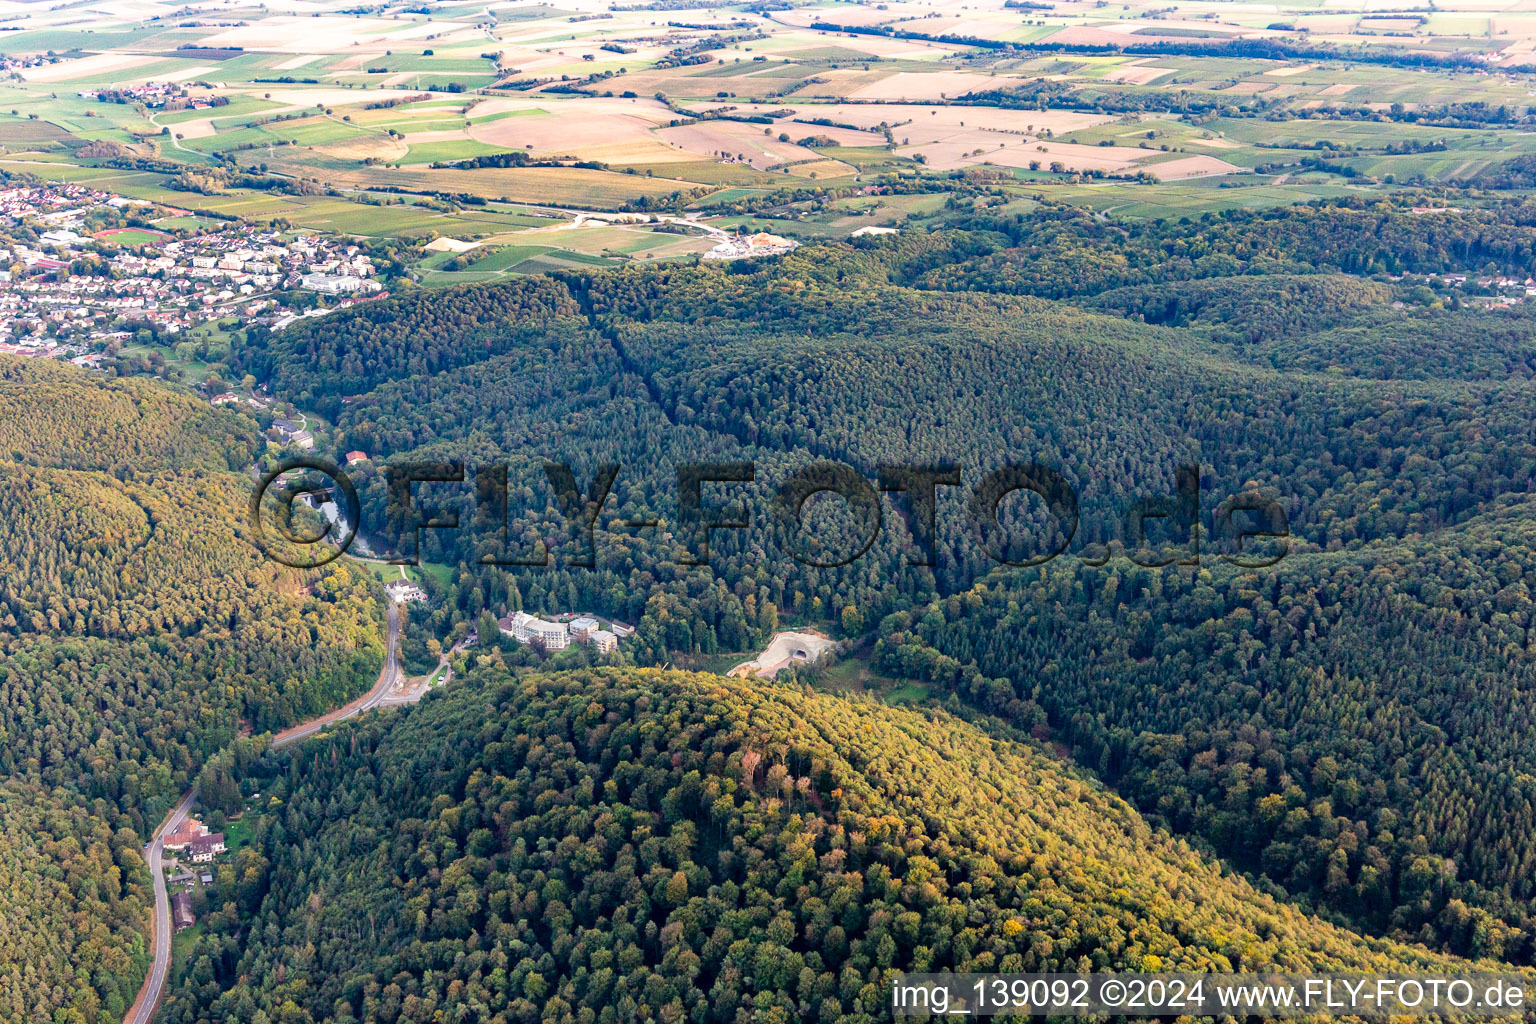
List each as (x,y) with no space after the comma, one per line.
(188,833)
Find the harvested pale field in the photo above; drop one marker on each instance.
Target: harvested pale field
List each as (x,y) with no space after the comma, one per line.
(1134,74)
(1217,143)
(861,16)
(87,67)
(1249,88)
(1339,89)
(711,139)
(450,245)
(183,74)
(822,169)
(199,129)
(299,99)
(286,34)
(611,130)
(910,85)
(949,136)
(294,63)
(790,43)
(446,135)
(1192,167)
(930,124)
(963,26)
(1117,159)
(555,186)
(1288,71)
(1332,23)
(798,129)
(379,147)
(1122,32)
(1521,25)
(500,105)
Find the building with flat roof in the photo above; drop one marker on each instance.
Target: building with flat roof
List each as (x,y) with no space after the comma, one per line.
(526,629)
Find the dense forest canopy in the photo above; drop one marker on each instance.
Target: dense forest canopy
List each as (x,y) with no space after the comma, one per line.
(1304,356)
(622,846)
(1325,762)
(1366,416)
(140,632)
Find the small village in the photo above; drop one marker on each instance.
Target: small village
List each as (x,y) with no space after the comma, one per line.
(158,95)
(67,292)
(193,841)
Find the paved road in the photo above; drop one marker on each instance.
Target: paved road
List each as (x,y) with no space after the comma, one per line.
(143,1009)
(389,677)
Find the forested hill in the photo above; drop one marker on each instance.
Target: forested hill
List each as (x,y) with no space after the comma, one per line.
(140,631)
(1366,408)
(1322,724)
(623,845)
(1355,725)
(50,416)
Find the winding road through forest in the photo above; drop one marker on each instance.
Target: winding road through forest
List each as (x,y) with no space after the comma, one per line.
(143,1009)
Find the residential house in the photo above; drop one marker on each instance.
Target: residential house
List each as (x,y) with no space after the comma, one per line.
(187,833)
(401,591)
(205,848)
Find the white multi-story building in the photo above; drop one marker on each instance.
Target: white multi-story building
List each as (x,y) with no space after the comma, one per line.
(603,640)
(526,629)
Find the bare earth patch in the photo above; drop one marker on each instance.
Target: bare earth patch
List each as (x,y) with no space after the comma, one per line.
(97,64)
(380,147)
(1192,167)
(784,650)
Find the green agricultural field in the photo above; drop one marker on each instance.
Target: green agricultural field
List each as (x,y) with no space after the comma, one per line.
(558,186)
(28,132)
(709,172)
(445,279)
(311,131)
(448,150)
(728,195)
(508,257)
(1179,199)
(60,40)
(239,107)
(436,64)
